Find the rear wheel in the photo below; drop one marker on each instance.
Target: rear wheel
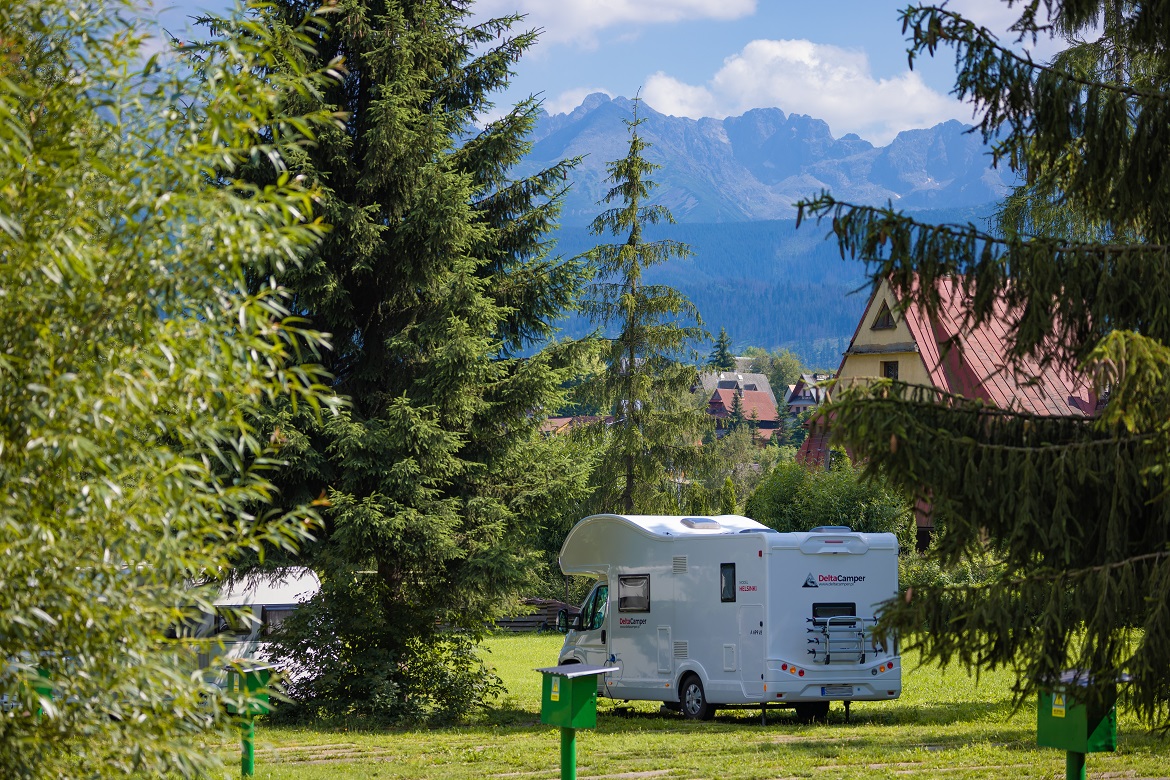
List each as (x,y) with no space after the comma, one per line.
(694,699)
(809,711)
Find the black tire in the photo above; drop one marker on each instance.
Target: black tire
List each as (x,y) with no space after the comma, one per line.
(809,711)
(693,699)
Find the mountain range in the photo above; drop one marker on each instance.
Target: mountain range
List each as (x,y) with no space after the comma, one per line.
(731,183)
(757,165)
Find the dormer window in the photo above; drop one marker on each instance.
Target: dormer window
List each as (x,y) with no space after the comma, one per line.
(884,319)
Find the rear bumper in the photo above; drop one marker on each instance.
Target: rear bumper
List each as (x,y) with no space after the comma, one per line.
(826,684)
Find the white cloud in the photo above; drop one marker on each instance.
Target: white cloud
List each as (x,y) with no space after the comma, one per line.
(668,95)
(579,21)
(803,77)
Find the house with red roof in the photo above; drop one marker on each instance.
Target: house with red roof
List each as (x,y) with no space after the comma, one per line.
(561,426)
(758,406)
(942,351)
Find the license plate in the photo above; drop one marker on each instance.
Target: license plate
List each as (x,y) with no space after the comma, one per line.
(836,690)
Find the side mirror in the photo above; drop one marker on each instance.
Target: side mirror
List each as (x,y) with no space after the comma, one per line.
(563,621)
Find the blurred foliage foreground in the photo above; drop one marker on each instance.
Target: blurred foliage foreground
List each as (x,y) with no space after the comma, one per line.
(132,364)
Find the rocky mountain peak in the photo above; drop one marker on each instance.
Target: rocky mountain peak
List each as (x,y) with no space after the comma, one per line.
(757,165)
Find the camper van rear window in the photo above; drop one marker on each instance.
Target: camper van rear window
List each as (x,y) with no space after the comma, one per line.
(727,582)
(834,609)
(634,593)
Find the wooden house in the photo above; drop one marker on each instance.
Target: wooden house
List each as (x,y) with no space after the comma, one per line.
(942,352)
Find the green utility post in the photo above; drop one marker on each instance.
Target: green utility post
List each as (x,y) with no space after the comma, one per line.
(251,683)
(1064,723)
(569,700)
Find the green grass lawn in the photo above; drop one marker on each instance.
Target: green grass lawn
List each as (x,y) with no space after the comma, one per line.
(945,725)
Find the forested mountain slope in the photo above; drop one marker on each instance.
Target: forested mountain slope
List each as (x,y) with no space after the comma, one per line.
(768,283)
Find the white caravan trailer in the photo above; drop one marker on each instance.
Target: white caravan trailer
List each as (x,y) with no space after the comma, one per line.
(704,612)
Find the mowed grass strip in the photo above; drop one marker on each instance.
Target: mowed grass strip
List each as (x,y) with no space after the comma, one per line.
(947,724)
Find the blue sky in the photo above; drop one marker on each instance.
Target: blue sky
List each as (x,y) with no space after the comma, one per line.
(843,61)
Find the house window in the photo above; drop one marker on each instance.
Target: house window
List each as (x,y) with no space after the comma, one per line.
(884,319)
(634,593)
(890,369)
(726,582)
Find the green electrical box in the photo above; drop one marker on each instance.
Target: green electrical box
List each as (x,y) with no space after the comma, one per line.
(1066,724)
(252,682)
(569,697)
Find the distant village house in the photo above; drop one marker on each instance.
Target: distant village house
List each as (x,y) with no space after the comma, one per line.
(755,397)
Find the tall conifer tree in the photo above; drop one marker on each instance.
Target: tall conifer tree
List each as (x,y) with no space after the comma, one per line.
(721,358)
(646,383)
(1078,508)
(435,275)
(736,418)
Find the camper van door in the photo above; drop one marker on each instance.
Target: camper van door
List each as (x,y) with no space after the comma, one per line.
(592,640)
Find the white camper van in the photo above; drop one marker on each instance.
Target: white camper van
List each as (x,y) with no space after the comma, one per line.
(247,611)
(705,612)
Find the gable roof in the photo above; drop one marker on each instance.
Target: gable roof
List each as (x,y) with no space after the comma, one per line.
(562,425)
(729,379)
(976,364)
(723,401)
(808,383)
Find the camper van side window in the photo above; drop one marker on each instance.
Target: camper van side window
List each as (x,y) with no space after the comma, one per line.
(274,616)
(726,582)
(634,593)
(234,620)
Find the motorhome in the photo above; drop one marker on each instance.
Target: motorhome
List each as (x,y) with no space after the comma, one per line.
(708,612)
(248,610)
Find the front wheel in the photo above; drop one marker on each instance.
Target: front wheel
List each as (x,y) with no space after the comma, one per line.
(694,699)
(807,712)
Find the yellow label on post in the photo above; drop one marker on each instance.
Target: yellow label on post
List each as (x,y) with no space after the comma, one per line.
(1058,705)
(556,691)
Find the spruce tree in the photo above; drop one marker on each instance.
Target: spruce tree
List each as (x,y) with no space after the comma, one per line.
(736,418)
(435,276)
(721,358)
(646,384)
(1077,508)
